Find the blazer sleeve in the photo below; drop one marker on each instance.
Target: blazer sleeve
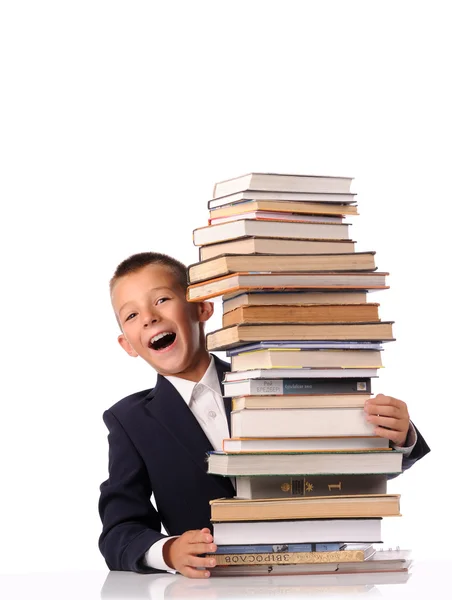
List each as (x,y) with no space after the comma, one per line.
(420,449)
(130,522)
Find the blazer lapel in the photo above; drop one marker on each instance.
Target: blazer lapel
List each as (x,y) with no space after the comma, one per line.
(222,367)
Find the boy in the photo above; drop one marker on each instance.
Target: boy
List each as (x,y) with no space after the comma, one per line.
(158,438)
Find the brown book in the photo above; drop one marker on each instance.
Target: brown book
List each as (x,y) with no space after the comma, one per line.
(306,507)
(237,335)
(305,208)
(235,263)
(310,313)
(312,401)
(266,245)
(235,282)
(294,358)
(233,301)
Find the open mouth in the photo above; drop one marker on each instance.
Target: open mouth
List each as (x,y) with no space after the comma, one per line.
(162,340)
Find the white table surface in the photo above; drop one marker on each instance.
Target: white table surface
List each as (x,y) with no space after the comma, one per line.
(427,580)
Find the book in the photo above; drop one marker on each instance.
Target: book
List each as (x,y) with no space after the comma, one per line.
(308,401)
(302,422)
(282,182)
(297,444)
(305,463)
(293,558)
(277,548)
(296,532)
(302,373)
(267,215)
(237,335)
(315,485)
(308,313)
(306,345)
(291,299)
(288,206)
(306,507)
(341,199)
(296,358)
(296,387)
(213,234)
(266,245)
(282,207)
(368,280)
(237,263)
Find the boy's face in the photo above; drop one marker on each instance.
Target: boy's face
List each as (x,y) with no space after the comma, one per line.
(159,324)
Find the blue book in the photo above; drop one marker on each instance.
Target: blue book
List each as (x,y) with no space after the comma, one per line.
(268,548)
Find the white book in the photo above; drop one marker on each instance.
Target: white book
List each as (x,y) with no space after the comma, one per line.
(253,445)
(305,373)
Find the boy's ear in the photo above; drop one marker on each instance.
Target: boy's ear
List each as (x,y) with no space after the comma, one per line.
(126,346)
(205,311)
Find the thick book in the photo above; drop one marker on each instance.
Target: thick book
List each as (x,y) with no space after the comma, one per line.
(283,206)
(317,198)
(213,234)
(264,245)
(302,373)
(267,215)
(277,548)
(305,463)
(280,387)
(295,532)
(309,313)
(237,263)
(300,298)
(296,358)
(369,280)
(238,335)
(305,507)
(304,422)
(308,401)
(306,345)
(252,488)
(297,444)
(294,558)
(283,182)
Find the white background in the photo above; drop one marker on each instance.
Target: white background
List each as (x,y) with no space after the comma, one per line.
(116,120)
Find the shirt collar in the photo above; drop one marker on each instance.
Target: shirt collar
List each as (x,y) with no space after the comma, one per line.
(186,387)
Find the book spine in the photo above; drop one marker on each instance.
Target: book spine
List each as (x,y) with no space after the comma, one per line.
(278,548)
(288,558)
(277,387)
(315,485)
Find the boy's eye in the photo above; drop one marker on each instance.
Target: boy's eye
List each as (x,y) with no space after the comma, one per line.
(131,316)
(160,300)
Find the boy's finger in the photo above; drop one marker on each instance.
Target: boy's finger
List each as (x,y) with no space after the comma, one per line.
(201,548)
(194,573)
(387,422)
(201,536)
(198,561)
(385,410)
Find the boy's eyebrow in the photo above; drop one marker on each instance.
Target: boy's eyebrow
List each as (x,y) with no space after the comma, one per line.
(156,289)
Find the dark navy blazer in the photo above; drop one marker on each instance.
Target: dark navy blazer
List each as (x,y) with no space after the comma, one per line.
(156,446)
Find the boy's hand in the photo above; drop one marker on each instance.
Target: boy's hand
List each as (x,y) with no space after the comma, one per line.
(181,553)
(390,417)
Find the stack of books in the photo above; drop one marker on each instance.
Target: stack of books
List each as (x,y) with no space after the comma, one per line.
(305,344)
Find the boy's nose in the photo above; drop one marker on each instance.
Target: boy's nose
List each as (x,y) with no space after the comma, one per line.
(149,319)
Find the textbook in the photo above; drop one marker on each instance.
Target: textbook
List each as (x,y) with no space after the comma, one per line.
(364,552)
(256,245)
(238,335)
(282,182)
(306,507)
(305,463)
(213,234)
(317,198)
(302,422)
(298,298)
(277,548)
(295,532)
(267,215)
(302,373)
(296,358)
(315,485)
(235,282)
(308,401)
(281,207)
(309,313)
(292,386)
(306,345)
(297,444)
(236,263)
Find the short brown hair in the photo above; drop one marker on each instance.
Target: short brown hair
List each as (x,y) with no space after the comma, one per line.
(137,261)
